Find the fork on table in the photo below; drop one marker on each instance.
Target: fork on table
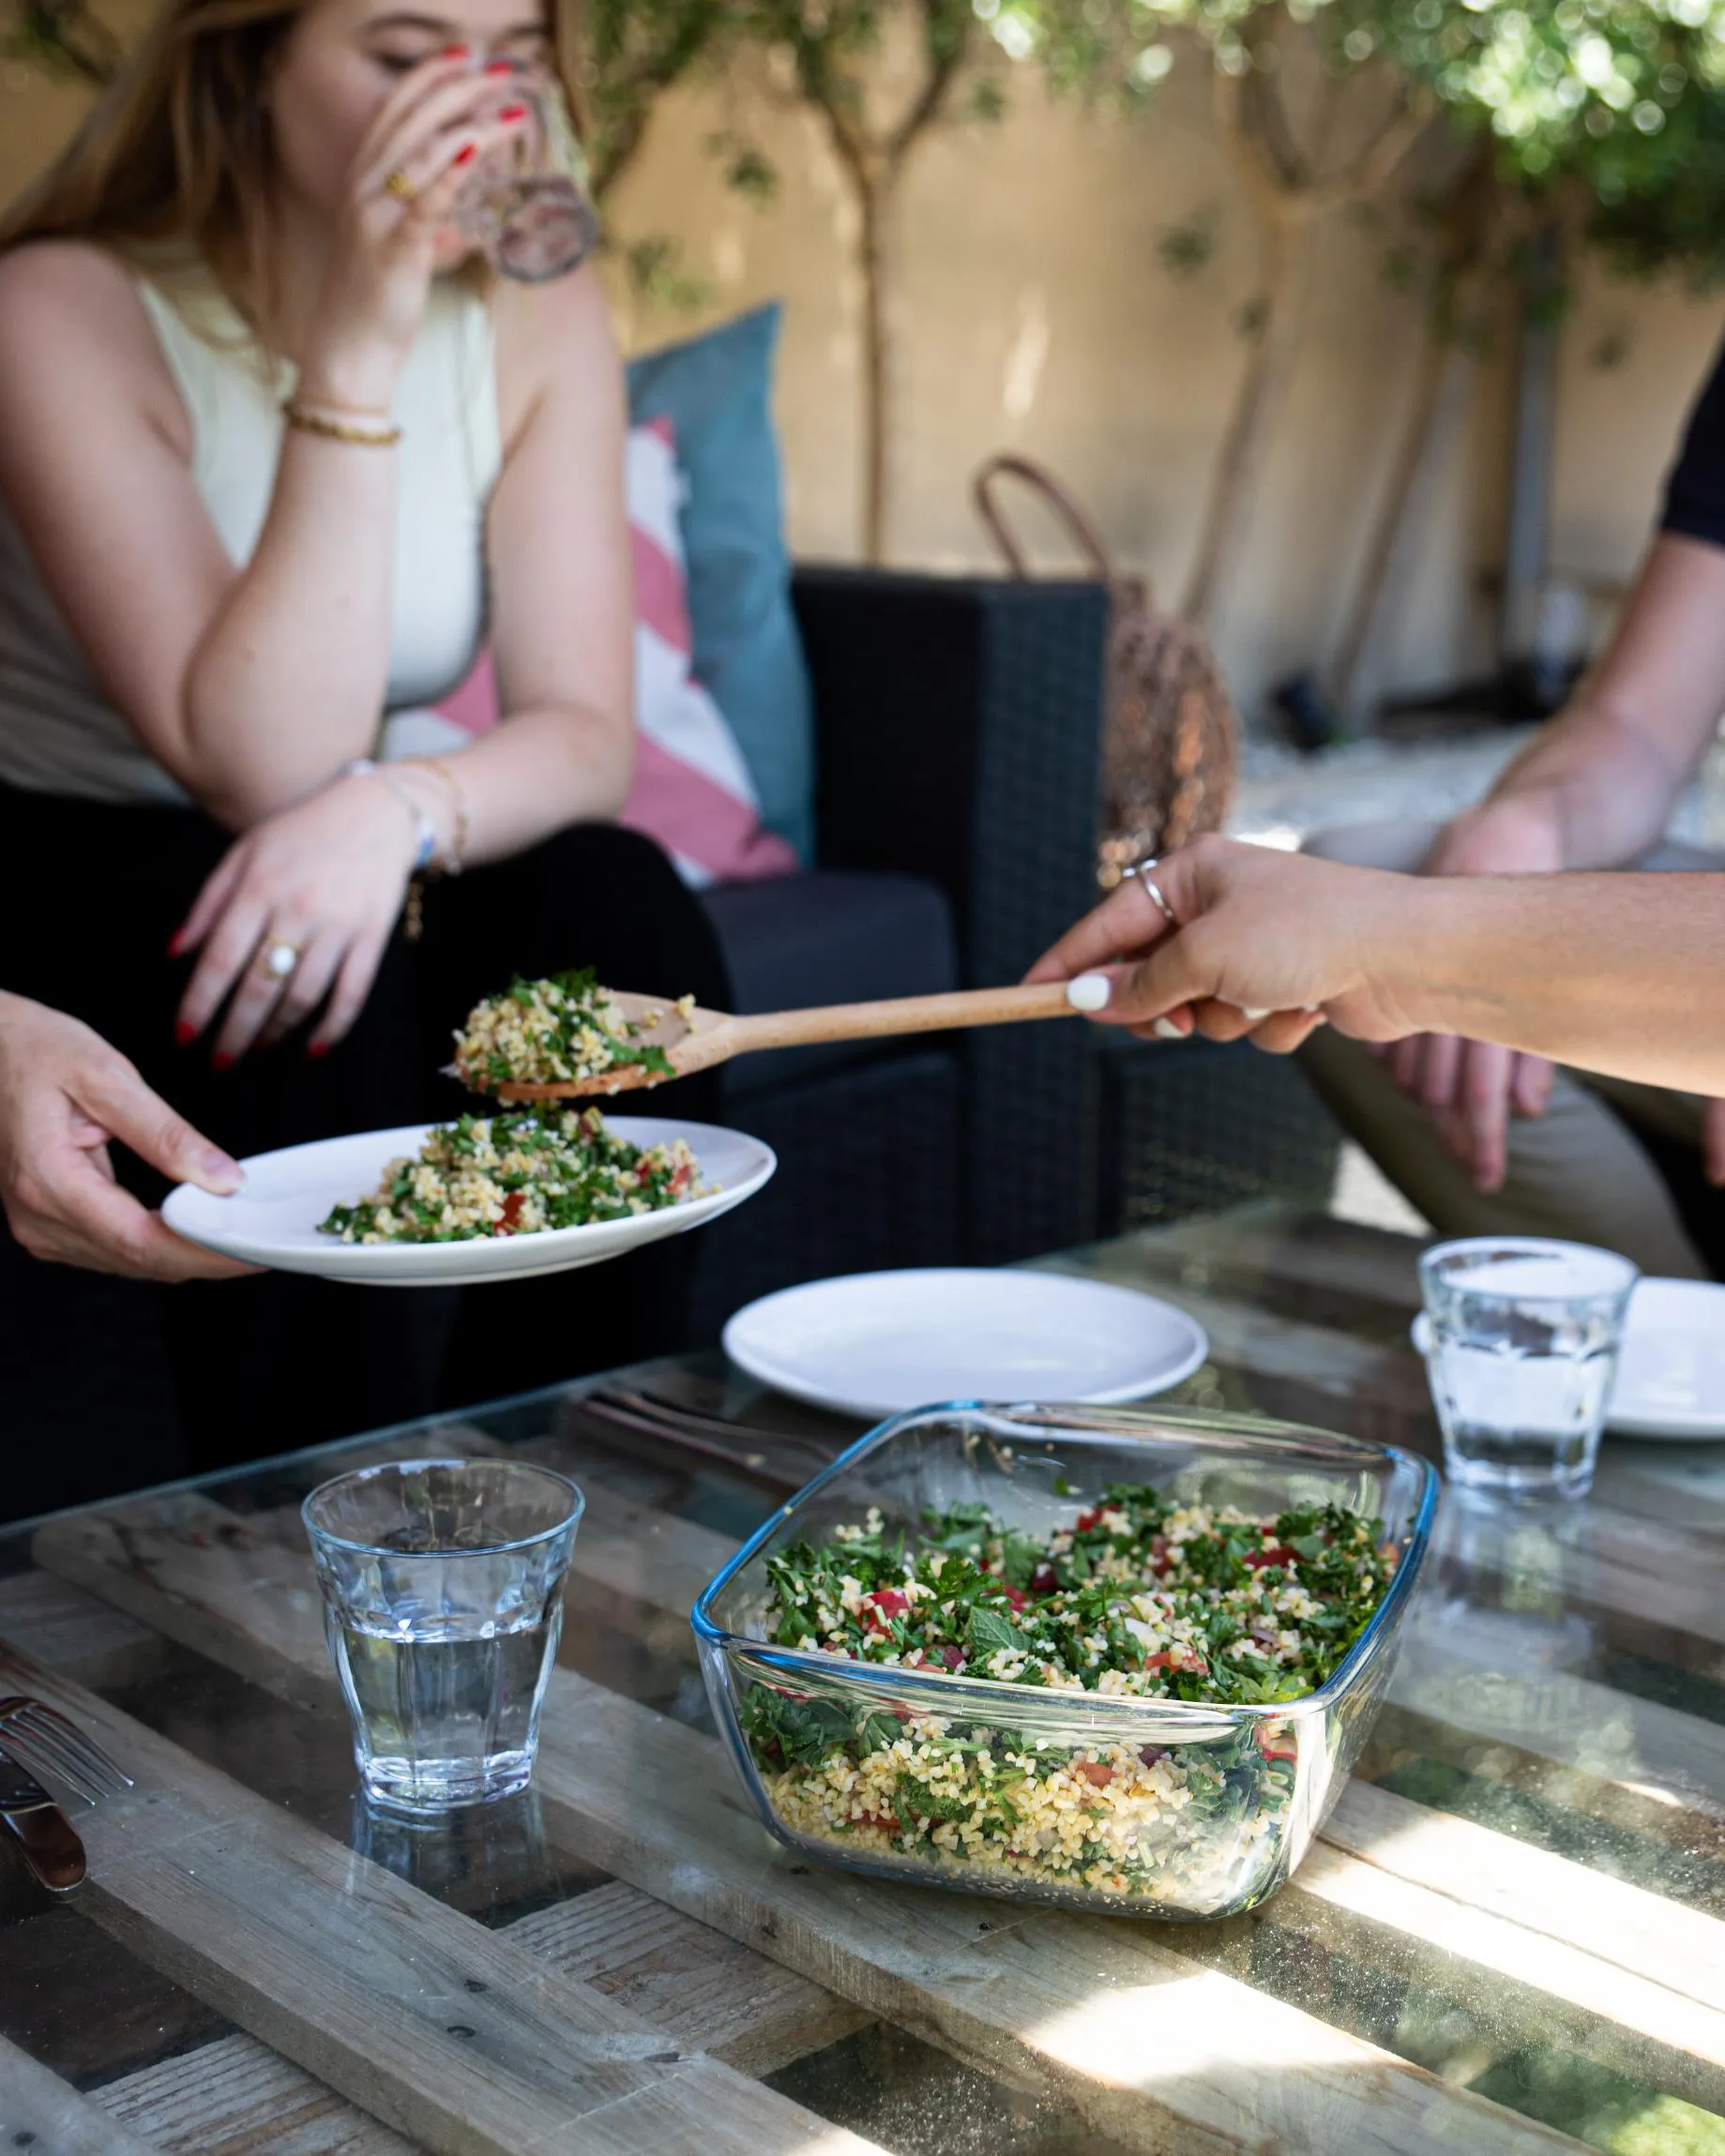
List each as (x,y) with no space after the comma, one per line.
(43,1738)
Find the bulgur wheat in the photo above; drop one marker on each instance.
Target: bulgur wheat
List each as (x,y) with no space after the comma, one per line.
(518,1175)
(552,1032)
(1137,1599)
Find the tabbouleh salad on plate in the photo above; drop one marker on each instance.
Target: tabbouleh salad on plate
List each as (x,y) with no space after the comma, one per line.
(1140,1599)
(552,1032)
(514,1175)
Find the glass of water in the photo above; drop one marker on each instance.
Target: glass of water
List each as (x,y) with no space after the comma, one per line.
(527,207)
(443,1603)
(1520,1340)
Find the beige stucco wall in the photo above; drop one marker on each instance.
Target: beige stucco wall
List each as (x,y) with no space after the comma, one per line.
(1036,315)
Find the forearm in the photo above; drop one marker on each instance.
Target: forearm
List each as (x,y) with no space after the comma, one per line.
(536,773)
(289,683)
(1620,974)
(1594,786)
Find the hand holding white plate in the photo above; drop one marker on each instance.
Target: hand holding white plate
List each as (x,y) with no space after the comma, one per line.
(274,1220)
(876,1343)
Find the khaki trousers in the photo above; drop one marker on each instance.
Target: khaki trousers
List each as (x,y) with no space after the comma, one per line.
(1581,1170)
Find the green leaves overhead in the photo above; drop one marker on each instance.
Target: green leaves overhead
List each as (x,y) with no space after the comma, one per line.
(1612,109)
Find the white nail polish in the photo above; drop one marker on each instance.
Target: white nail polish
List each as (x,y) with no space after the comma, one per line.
(1256,1016)
(1089,992)
(1166,1030)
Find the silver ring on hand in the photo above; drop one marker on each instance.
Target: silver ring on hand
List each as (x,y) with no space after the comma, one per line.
(278,960)
(1141,870)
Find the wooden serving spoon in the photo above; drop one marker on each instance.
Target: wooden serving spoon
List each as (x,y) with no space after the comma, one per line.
(704,1038)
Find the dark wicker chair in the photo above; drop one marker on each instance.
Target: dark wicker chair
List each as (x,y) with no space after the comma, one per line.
(958,725)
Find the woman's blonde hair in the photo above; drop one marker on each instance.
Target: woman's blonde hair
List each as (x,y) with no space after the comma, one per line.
(174,160)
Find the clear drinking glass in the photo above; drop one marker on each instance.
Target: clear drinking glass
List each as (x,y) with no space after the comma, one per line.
(527,208)
(1520,1345)
(443,1603)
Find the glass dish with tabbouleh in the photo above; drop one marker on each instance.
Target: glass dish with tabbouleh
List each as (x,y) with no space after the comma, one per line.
(517,1175)
(552,1032)
(1137,1599)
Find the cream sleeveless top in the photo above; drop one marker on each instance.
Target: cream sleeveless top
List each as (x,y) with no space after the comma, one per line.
(58,732)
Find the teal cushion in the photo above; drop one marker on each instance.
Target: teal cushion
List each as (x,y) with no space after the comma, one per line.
(716,391)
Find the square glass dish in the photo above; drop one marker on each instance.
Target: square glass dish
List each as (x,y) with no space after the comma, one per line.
(1160,1807)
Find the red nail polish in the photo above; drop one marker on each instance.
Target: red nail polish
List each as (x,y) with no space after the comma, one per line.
(316,1048)
(453,52)
(222,1061)
(513,113)
(500,66)
(464,157)
(176,942)
(183,1032)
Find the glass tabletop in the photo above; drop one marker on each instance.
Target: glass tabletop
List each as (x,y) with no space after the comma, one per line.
(1508,1936)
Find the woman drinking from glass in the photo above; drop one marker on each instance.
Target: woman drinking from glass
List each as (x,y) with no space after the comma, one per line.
(276,449)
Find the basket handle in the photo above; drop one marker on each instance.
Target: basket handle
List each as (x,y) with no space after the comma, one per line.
(985,488)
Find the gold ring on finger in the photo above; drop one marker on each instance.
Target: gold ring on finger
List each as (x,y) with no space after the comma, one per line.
(278,960)
(398,184)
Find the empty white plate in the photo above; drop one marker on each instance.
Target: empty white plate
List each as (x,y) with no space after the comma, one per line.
(272,1220)
(876,1343)
(1671,1368)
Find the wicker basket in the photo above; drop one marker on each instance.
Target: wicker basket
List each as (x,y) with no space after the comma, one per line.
(1170,749)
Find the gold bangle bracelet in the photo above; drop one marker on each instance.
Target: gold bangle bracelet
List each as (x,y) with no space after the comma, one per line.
(310,422)
(457,793)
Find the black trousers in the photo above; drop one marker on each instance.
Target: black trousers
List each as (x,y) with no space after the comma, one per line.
(108,1385)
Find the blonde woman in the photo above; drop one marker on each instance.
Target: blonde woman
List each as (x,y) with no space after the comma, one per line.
(273,455)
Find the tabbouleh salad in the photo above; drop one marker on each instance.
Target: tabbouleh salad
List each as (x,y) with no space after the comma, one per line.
(552,1032)
(1139,1598)
(514,1175)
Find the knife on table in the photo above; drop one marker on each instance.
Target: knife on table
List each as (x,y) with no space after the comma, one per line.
(47,1837)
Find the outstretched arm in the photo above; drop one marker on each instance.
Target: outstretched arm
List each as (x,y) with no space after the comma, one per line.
(1616,973)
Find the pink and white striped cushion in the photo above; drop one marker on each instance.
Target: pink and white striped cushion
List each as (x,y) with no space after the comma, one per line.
(692,791)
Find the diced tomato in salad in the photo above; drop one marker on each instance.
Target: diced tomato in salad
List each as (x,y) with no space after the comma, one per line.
(883,1605)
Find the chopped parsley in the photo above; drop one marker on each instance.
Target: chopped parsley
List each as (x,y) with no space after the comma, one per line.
(552,1032)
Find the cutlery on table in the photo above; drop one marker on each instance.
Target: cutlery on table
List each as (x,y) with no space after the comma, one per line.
(43,1738)
(774,1459)
(701,1039)
(43,1832)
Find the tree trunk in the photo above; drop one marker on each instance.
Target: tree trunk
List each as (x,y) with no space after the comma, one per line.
(1233,492)
(1473,220)
(877,189)
(1438,357)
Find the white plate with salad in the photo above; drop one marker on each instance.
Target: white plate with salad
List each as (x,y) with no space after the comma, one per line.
(486,1198)
(877,1343)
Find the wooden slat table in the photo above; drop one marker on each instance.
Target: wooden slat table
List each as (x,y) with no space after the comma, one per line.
(1510,1937)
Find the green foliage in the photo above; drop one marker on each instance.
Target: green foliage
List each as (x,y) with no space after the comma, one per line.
(655,269)
(748,170)
(63,39)
(637,50)
(1185,249)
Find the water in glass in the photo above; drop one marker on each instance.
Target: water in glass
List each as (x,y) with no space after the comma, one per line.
(1520,1351)
(443,1587)
(527,208)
